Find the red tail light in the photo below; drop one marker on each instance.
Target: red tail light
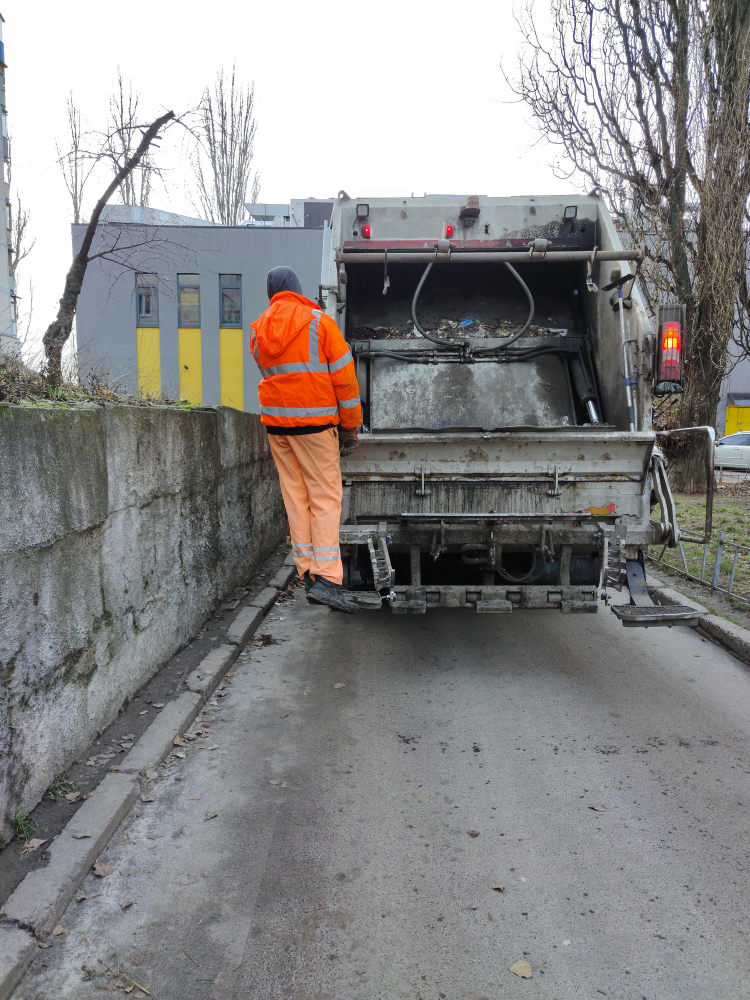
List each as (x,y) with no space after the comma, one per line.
(366,232)
(449,230)
(669,351)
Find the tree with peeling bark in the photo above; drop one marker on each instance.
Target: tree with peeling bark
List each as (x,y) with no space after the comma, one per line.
(59,331)
(223,158)
(649,100)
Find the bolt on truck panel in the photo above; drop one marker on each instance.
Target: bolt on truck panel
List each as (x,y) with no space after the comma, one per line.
(506,365)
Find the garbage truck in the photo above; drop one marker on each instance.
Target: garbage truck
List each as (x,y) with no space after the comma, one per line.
(507,368)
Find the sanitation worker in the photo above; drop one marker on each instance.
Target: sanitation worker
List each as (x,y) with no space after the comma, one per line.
(309,403)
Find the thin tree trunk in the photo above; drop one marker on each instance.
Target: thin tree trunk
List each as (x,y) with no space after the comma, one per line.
(59,331)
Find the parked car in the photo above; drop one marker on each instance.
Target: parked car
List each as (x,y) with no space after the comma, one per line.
(733,451)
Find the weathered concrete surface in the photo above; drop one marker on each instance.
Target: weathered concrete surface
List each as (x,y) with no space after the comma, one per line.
(120,529)
(339,864)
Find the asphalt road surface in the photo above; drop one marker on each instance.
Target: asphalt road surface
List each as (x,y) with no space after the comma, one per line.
(372,777)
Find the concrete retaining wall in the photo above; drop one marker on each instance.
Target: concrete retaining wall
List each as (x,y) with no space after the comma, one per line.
(119,530)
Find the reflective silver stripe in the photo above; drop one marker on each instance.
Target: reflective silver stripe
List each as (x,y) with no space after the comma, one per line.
(336,366)
(299,411)
(319,551)
(306,546)
(347,404)
(293,367)
(314,354)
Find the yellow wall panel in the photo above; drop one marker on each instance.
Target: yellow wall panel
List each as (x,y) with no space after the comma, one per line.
(149,360)
(190,362)
(231,368)
(738,419)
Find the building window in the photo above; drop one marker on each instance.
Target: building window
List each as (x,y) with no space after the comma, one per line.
(231,299)
(148,299)
(190,299)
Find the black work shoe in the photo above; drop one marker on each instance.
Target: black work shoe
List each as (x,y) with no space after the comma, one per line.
(325,592)
(308,581)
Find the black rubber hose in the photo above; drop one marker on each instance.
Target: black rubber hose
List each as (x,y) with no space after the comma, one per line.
(452,343)
(415,321)
(529,319)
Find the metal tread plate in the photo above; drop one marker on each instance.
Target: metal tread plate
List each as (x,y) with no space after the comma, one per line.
(655,614)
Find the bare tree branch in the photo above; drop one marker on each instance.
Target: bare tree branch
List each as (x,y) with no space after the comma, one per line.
(222,159)
(59,331)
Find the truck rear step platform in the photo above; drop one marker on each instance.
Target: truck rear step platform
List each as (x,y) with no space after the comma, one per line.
(655,615)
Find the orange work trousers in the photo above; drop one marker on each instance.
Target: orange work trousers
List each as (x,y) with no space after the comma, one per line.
(310,476)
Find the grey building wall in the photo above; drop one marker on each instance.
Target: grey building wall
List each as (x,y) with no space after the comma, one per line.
(106,316)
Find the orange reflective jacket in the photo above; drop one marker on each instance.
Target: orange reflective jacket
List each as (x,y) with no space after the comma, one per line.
(307,368)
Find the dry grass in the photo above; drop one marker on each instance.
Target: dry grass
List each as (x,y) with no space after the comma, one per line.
(731,514)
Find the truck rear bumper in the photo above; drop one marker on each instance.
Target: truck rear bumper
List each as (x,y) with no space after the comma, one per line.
(494,600)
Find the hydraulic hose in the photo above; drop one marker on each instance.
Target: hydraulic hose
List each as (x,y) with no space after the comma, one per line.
(451,343)
(415,321)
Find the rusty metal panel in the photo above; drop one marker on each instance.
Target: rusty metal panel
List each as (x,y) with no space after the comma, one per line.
(577,453)
(445,396)
(390,499)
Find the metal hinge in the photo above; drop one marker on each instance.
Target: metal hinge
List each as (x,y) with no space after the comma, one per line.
(422,471)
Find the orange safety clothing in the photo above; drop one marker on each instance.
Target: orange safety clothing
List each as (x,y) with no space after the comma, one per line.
(307,368)
(310,476)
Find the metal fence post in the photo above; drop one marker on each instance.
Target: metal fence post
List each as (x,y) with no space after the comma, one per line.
(717,561)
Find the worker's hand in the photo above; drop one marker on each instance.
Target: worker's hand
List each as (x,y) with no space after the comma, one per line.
(348,441)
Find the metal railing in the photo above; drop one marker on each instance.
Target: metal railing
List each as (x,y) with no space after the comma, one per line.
(722,557)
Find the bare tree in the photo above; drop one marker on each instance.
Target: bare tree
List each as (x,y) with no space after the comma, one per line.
(59,331)
(76,162)
(649,100)
(19,245)
(120,143)
(222,160)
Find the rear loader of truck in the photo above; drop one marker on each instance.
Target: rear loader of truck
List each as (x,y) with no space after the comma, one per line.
(506,366)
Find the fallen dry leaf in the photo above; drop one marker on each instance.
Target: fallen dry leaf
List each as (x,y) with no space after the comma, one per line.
(211,815)
(81,834)
(186,879)
(148,798)
(125,872)
(473,833)
(179,753)
(126,903)
(178,741)
(285,715)
(158,704)
(58,929)
(32,845)
(339,685)
(91,762)
(102,870)
(521,968)
(598,807)
(80,897)
(194,797)
(73,796)
(144,712)
(498,886)
(114,767)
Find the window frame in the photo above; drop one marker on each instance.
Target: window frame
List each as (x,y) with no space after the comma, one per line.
(147,282)
(225,285)
(194,286)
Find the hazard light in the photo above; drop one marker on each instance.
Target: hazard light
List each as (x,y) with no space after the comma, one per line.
(366,232)
(669,351)
(449,230)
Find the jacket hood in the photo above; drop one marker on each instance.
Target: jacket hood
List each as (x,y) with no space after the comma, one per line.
(282,279)
(285,318)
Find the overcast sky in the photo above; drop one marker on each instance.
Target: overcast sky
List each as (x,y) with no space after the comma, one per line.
(378,98)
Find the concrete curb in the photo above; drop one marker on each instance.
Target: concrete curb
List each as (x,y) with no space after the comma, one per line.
(40,900)
(724,633)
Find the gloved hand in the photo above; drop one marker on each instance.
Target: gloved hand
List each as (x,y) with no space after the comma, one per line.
(348,441)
